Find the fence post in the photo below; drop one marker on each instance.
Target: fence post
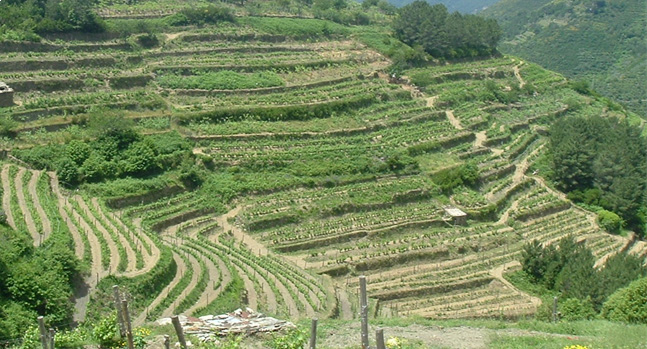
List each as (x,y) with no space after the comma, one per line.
(52,335)
(555,309)
(120,313)
(43,333)
(363,301)
(167,342)
(178,330)
(379,339)
(129,330)
(313,334)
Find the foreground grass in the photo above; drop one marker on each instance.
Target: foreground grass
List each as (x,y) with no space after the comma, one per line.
(496,334)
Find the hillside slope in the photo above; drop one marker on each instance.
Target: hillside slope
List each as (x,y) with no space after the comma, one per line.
(464,6)
(266,162)
(602,42)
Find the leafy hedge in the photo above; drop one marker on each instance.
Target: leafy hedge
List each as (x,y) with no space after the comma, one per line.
(628,304)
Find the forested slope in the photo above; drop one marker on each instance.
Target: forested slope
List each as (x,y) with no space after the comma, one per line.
(601,42)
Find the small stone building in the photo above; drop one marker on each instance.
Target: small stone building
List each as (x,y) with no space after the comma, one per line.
(6,95)
(459,217)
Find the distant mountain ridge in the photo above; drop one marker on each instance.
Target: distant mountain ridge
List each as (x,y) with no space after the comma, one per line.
(601,42)
(464,6)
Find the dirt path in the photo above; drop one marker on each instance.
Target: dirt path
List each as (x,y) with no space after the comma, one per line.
(210,293)
(6,196)
(150,259)
(453,120)
(345,309)
(431,101)
(112,246)
(26,213)
(270,297)
(522,83)
(33,192)
(195,277)
(481,137)
(130,253)
(181,269)
(498,274)
(79,250)
(252,295)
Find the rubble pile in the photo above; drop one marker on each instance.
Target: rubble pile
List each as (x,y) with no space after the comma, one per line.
(209,327)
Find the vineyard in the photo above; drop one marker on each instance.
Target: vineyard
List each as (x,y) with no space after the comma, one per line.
(315,166)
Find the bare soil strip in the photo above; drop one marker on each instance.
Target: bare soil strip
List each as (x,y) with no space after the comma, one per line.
(112,246)
(195,277)
(61,203)
(209,293)
(517,74)
(130,253)
(150,259)
(26,213)
(252,296)
(453,120)
(6,196)
(33,192)
(181,269)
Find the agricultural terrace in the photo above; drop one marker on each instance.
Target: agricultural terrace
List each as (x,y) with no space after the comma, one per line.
(286,164)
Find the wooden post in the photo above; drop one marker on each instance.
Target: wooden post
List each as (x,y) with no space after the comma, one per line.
(178,330)
(313,334)
(120,313)
(363,301)
(52,334)
(167,342)
(555,309)
(379,339)
(129,330)
(43,333)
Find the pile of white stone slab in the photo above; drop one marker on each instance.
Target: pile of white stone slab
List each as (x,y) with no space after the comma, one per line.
(209,327)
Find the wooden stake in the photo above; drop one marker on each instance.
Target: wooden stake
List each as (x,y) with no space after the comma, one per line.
(43,333)
(379,339)
(555,309)
(129,330)
(178,330)
(313,334)
(363,301)
(120,313)
(52,334)
(167,342)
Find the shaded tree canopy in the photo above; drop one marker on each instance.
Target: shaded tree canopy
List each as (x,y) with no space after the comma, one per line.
(602,162)
(442,34)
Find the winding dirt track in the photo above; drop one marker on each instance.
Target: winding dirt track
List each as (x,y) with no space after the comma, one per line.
(130,253)
(195,277)
(150,258)
(26,213)
(6,196)
(517,74)
(112,246)
(209,293)
(33,192)
(79,250)
(453,120)
(181,269)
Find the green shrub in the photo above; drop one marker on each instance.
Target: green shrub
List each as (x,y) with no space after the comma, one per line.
(610,221)
(628,304)
(573,309)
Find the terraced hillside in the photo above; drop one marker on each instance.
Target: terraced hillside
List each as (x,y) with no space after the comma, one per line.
(327,169)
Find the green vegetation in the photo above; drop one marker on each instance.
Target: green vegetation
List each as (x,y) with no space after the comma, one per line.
(35,281)
(204,160)
(223,80)
(446,35)
(625,304)
(602,162)
(22,19)
(603,40)
(569,270)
